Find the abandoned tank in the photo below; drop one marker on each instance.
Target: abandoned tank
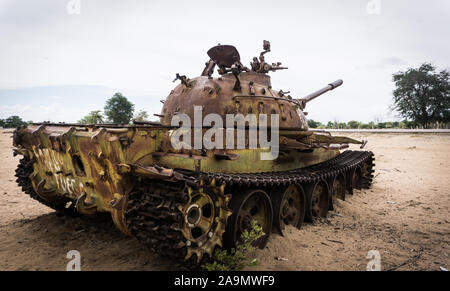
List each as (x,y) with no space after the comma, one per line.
(188,184)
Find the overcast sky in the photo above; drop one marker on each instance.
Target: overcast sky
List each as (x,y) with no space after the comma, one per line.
(58,66)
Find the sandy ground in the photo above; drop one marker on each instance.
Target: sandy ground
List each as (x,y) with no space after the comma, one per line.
(405,216)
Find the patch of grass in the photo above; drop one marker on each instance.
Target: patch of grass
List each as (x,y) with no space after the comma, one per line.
(237,258)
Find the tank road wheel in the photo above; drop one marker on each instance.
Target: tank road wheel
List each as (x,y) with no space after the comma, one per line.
(204,219)
(353,179)
(357,178)
(338,189)
(289,206)
(253,205)
(318,200)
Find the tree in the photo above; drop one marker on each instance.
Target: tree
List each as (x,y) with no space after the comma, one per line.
(118,109)
(364,126)
(341,125)
(2,122)
(313,124)
(94,117)
(13,121)
(423,95)
(381,125)
(353,124)
(409,124)
(142,115)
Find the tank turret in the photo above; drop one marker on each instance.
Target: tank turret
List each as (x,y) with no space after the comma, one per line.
(237,90)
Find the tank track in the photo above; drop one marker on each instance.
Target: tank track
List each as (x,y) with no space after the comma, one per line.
(153,217)
(23,173)
(345,162)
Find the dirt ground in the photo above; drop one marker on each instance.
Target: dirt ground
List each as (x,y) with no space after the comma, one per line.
(405,216)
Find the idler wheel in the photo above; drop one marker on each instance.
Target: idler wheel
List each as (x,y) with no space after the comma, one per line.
(289,206)
(317,195)
(253,205)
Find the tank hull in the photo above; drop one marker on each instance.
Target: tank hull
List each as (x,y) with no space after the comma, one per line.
(91,169)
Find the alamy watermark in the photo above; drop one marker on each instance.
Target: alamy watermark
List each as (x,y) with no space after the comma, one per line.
(73,7)
(375,261)
(374,7)
(75,261)
(235,130)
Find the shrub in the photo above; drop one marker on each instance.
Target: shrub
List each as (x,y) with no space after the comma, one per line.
(237,258)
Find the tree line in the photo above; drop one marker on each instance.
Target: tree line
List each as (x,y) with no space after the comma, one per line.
(13,122)
(118,109)
(353,124)
(421,97)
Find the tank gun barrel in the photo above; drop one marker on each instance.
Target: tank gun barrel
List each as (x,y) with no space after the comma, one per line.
(322,91)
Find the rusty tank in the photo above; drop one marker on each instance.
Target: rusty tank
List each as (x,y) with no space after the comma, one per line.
(183,199)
